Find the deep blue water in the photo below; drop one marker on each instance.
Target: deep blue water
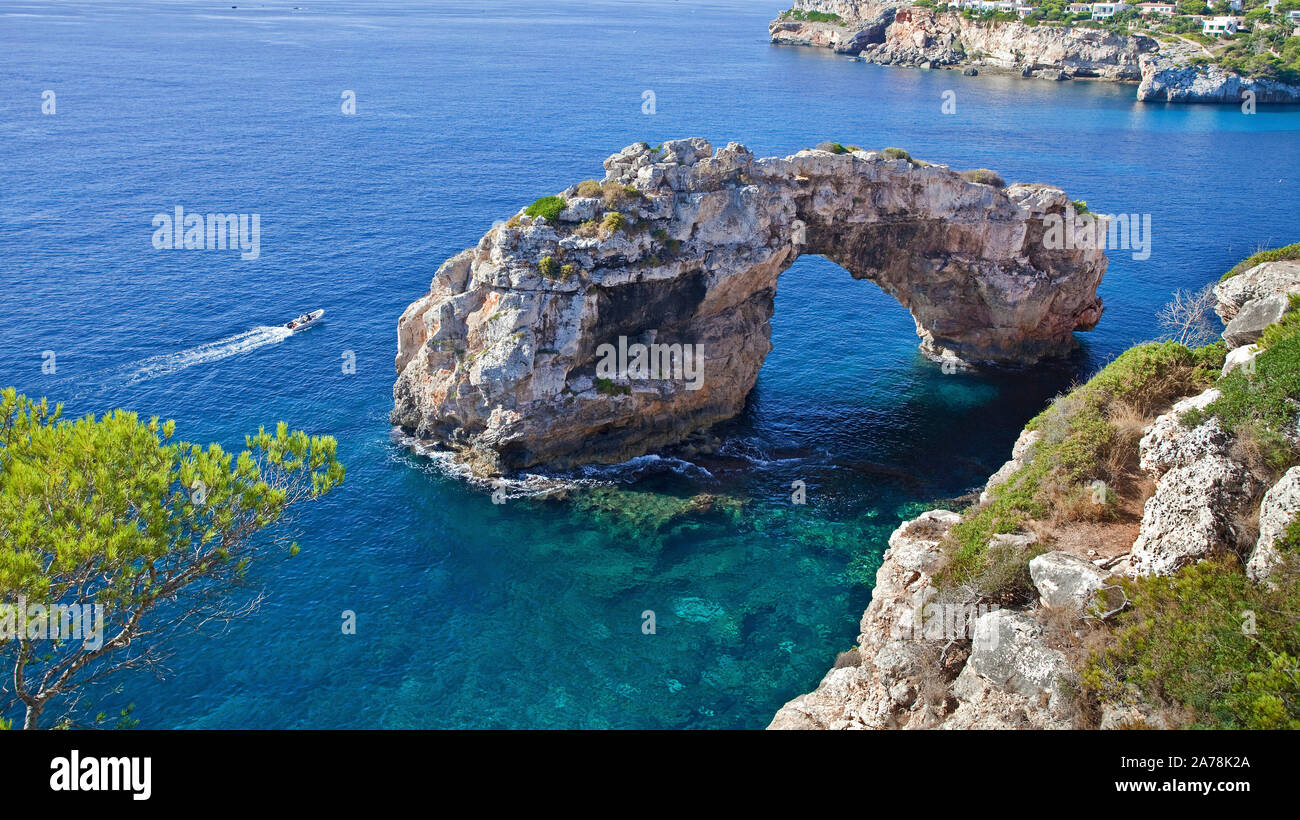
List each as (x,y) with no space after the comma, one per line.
(527,614)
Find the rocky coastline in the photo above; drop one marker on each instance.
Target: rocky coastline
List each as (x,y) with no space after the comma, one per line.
(893,33)
(1021,665)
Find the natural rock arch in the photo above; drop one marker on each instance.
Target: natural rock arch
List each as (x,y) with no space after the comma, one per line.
(499,361)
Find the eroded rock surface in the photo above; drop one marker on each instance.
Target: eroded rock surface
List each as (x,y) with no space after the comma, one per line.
(892,33)
(1260,282)
(1280,506)
(499,361)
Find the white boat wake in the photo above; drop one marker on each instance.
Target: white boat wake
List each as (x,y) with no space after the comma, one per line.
(169,363)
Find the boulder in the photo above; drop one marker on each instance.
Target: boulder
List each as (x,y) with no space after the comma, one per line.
(1064,580)
(1279,508)
(1008,651)
(1167,443)
(1263,280)
(1249,323)
(1190,515)
(1240,357)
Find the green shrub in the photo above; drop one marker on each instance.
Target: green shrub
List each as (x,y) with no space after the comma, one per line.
(548,207)
(1080,206)
(805,16)
(838,148)
(616,195)
(1277,254)
(1078,444)
(588,188)
(897,153)
(1209,641)
(607,387)
(568,272)
(613,221)
(984,177)
(548,267)
(1262,406)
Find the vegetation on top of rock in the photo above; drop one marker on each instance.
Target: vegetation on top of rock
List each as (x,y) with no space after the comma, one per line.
(548,267)
(1089,434)
(896,153)
(1208,644)
(1291,251)
(984,177)
(805,16)
(838,147)
(1080,206)
(613,221)
(549,207)
(1260,407)
(1284,327)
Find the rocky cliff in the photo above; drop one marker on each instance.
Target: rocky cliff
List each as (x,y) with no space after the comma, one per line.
(900,34)
(917,665)
(893,33)
(636,313)
(1166,80)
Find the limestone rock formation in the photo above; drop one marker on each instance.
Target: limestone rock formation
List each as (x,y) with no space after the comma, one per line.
(1249,323)
(1260,282)
(1166,80)
(1281,504)
(1190,515)
(1167,443)
(1010,678)
(675,263)
(1007,652)
(1065,580)
(882,691)
(1240,357)
(892,33)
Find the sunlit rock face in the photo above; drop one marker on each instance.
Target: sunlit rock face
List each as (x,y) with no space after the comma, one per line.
(539,346)
(890,32)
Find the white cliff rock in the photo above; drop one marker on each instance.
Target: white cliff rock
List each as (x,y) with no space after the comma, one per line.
(1167,443)
(1189,517)
(1239,358)
(1168,80)
(1064,580)
(1253,317)
(1280,506)
(1259,282)
(892,33)
(881,692)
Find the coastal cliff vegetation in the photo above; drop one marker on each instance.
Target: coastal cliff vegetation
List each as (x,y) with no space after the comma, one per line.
(1137,559)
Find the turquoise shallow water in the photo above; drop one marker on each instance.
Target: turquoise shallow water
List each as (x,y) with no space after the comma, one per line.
(528,614)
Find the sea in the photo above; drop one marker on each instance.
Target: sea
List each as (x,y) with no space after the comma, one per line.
(373,140)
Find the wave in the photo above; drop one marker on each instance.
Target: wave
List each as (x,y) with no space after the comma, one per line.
(545,485)
(169,363)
